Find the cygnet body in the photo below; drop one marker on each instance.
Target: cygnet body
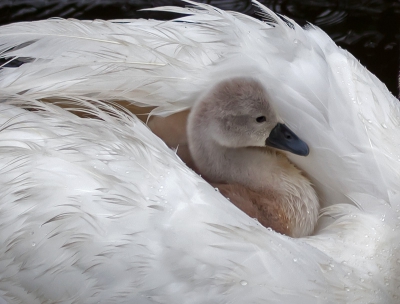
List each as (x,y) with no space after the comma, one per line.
(231,130)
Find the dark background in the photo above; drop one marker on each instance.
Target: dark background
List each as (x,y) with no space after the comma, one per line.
(369,29)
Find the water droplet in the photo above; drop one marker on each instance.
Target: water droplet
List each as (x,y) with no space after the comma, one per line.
(295,41)
(243,283)
(346,288)
(384,126)
(216,189)
(127,172)
(33,244)
(295,260)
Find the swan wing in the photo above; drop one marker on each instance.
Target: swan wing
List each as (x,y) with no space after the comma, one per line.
(101,210)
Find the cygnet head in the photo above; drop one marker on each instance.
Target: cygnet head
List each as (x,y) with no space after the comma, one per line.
(236,113)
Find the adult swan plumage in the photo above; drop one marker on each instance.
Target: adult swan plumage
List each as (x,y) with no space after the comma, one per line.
(102,211)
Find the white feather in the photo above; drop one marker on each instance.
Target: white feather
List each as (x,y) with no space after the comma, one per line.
(101,210)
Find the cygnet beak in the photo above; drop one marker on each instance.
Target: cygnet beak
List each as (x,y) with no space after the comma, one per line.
(281,137)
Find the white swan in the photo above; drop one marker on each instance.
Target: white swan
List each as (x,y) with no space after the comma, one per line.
(102,211)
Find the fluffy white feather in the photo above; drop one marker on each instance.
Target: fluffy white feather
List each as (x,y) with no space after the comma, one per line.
(104,211)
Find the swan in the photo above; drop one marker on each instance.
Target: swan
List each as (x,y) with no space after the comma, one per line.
(225,130)
(102,210)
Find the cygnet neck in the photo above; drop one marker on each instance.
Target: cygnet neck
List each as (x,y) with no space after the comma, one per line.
(258,168)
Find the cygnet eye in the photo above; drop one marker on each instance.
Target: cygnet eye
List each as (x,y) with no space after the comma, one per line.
(261,119)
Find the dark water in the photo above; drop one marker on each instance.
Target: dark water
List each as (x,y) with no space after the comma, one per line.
(369,29)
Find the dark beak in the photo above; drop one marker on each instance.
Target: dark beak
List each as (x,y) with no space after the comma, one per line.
(281,137)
